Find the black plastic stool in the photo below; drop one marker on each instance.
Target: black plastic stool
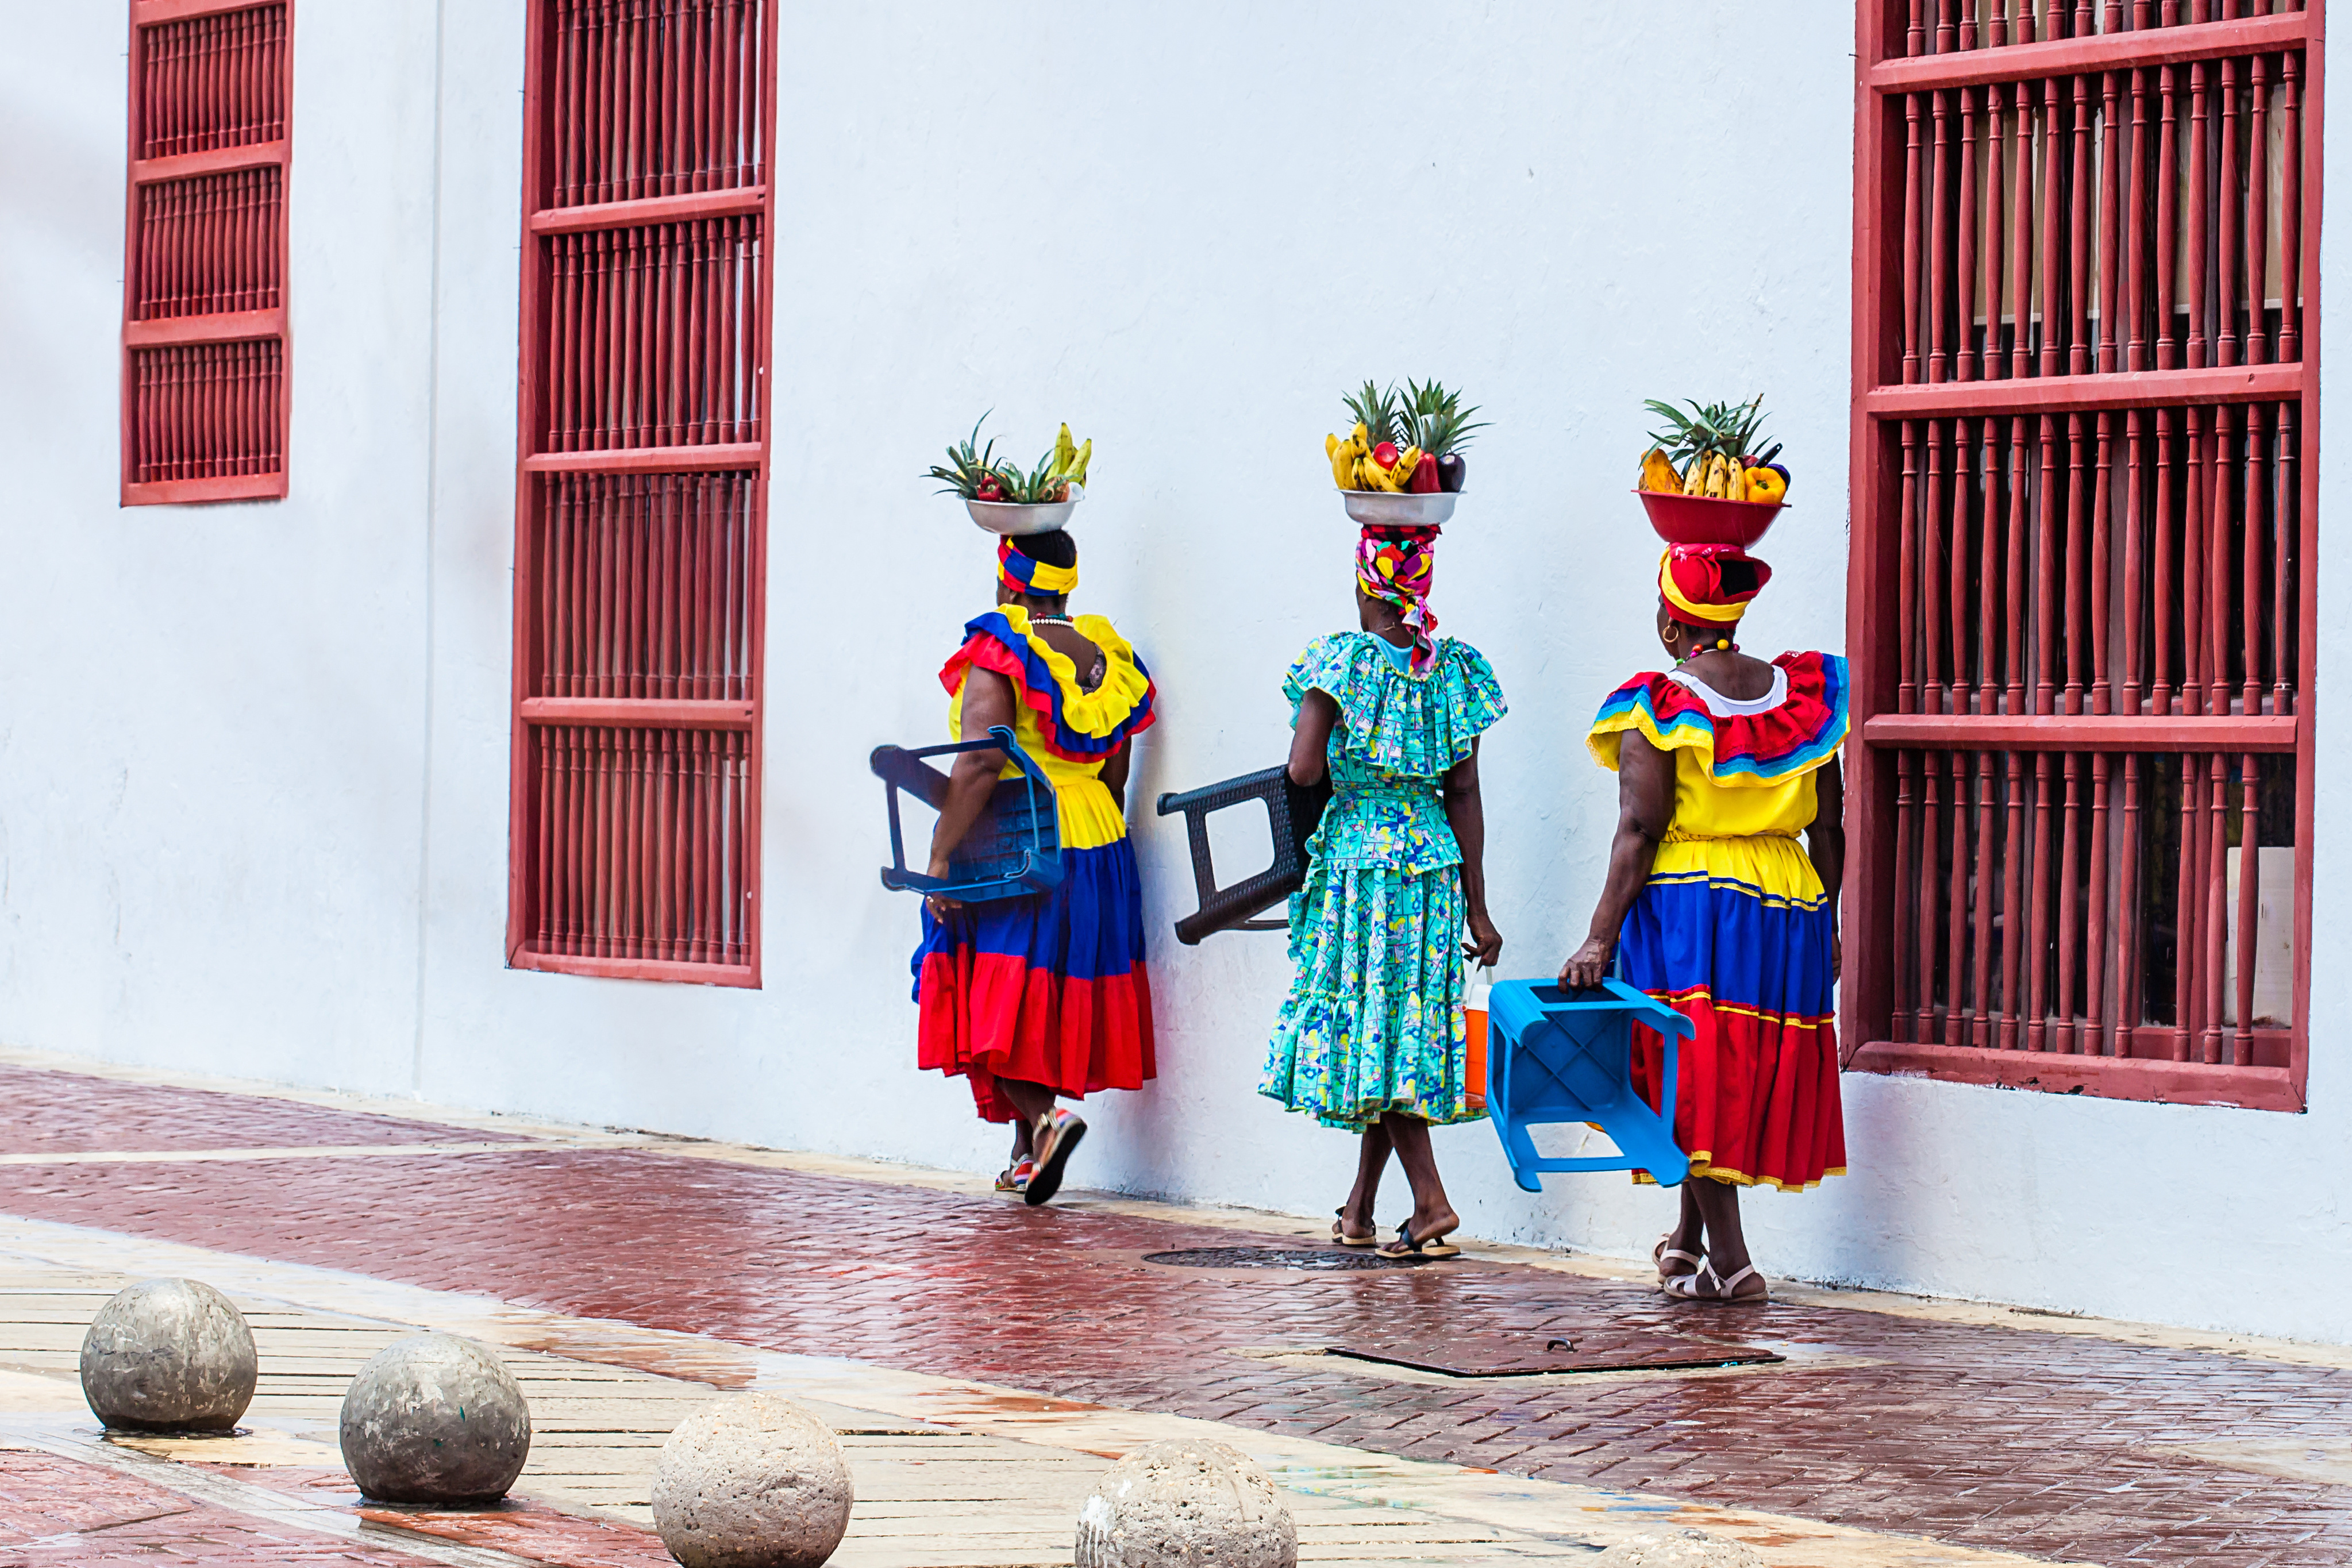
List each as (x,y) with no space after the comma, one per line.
(1292,816)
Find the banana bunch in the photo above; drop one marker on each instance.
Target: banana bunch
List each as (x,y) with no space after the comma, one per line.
(1345,453)
(1356,463)
(1070,459)
(1712,474)
(1716,477)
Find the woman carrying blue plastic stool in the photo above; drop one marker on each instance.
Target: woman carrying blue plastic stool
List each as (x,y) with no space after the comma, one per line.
(1035,999)
(1371,1036)
(1715,911)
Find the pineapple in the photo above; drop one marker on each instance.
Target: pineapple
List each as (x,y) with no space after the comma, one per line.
(1376,410)
(968,469)
(1434,420)
(1726,430)
(1033,486)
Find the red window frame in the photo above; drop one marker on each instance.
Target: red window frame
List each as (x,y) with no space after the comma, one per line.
(636,774)
(1919,414)
(207,354)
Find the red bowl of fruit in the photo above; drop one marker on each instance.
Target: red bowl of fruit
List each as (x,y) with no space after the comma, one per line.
(1704,520)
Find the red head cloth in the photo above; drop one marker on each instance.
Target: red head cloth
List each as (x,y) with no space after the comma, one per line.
(1710,584)
(1401,567)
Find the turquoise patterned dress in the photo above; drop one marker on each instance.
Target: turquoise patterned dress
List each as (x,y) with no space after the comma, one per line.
(1373,1021)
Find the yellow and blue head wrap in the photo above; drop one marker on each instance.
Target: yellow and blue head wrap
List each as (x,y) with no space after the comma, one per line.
(1022,574)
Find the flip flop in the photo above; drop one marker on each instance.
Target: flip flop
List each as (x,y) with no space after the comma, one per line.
(1339,1233)
(1708,1286)
(1408,1245)
(1057,1138)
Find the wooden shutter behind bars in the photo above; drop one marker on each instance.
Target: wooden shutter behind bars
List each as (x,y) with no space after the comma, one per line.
(641,507)
(203,277)
(2086,310)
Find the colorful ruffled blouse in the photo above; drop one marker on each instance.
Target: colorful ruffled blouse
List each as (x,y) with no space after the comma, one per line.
(1742,769)
(1397,734)
(1070,731)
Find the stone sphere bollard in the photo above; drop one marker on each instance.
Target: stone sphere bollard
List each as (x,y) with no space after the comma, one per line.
(1679,1548)
(435,1418)
(752,1482)
(168,1355)
(1186,1503)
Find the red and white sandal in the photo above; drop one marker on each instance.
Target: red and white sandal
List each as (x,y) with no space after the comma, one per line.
(1055,1139)
(1015,1176)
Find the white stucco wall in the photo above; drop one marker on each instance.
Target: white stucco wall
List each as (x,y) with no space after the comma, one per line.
(253,758)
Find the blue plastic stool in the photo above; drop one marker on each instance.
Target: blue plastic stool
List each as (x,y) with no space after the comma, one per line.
(1555,1055)
(1013,849)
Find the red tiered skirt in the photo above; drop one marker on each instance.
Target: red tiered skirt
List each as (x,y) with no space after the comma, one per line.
(1049,989)
(1756,1093)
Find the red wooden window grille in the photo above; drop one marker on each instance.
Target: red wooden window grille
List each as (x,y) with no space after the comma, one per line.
(203,287)
(641,505)
(2080,603)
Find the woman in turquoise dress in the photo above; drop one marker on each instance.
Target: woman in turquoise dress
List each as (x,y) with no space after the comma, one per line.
(1371,1036)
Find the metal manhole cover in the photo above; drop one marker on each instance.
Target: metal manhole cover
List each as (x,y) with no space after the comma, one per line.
(1528,1354)
(1329,1260)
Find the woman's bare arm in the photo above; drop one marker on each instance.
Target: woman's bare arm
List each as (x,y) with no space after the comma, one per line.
(987,700)
(1311,738)
(1646,805)
(1114,773)
(1466,812)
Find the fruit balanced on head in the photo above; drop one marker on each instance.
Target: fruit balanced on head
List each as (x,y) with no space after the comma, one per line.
(1711,452)
(979,474)
(1411,444)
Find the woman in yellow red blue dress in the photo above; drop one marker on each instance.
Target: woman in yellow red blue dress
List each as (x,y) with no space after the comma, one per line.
(1711,906)
(1036,999)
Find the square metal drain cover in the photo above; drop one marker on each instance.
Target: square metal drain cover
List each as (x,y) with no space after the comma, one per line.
(1527,1354)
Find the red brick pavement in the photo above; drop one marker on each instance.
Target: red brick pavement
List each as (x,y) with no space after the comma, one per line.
(2032,1442)
(61,1513)
(517,1526)
(66,1112)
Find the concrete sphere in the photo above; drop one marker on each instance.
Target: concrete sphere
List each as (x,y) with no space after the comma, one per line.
(1679,1548)
(1190,1502)
(752,1482)
(437,1419)
(168,1355)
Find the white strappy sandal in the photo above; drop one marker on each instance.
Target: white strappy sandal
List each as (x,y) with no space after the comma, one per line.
(1660,1252)
(1708,1286)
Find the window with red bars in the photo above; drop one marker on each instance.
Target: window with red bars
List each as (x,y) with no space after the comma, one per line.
(203,298)
(640,503)
(2080,605)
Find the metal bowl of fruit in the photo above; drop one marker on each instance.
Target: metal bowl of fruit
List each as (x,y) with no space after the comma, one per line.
(1399,509)
(1705,520)
(1016,518)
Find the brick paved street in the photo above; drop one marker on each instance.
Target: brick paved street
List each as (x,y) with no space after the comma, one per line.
(2064,1445)
(56,1512)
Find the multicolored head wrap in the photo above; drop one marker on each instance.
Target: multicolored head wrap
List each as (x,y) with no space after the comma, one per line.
(1022,574)
(1399,568)
(1709,585)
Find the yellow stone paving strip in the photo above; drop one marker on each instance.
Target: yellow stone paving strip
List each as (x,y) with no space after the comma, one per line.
(949,1473)
(543,1134)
